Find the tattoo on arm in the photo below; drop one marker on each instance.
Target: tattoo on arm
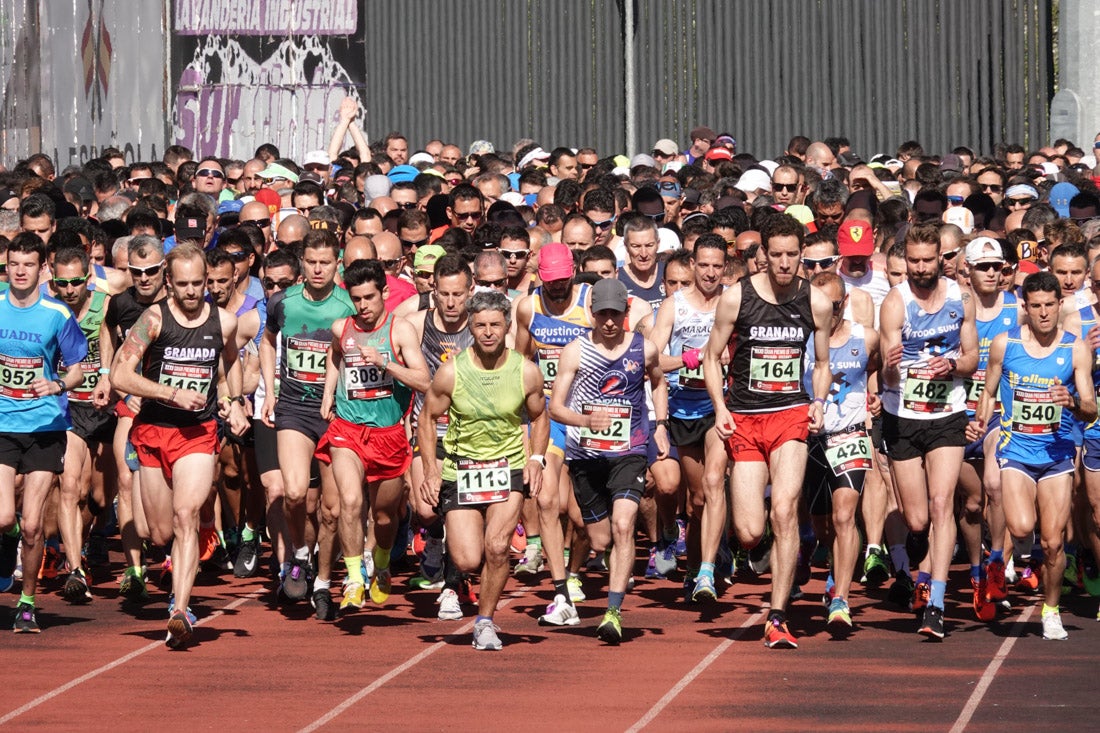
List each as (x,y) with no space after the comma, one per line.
(141,335)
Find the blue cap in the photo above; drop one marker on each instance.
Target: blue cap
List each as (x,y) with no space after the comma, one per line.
(230,206)
(1060,194)
(402,173)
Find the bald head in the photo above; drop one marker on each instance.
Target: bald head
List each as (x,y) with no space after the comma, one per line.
(383,204)
(387,246)
(293,228)
(254,210)
(360,248)
(820,156)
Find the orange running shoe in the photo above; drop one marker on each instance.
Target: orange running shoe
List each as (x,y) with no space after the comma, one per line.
(208,542)
(921,594)
(519,540)
(1029,580)
(51,564)
(983,609)
(777,636)
(995,589)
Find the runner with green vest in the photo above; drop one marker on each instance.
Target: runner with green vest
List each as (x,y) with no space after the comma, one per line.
(89,460)
(374,363)
(489,393)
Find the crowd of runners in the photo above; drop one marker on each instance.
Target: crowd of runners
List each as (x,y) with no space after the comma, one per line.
(380,370)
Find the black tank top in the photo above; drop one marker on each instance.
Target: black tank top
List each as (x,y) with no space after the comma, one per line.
(438,347)
(186,358)
(654,294)
(769,350)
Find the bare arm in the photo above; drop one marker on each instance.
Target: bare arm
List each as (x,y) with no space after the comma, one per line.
(988,399)
(540,425)
(891,318)
(823,376)
(725,317)
(568,363)
(660,398)
(437,401)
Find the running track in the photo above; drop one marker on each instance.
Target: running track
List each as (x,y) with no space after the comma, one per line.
(256,668)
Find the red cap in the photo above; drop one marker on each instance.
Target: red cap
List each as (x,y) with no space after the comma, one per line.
(855,239)
(719,154)
(269,197)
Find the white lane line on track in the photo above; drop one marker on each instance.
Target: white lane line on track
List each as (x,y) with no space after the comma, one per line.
(990,672)
(695,672)
(399,669)
(118,662)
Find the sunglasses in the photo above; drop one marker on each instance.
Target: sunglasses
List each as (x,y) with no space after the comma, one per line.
(209,173)
(950,255)
(232,181)
(991,187)
(604,225)
(955,200)
(150,271)
(270,284)
(390,264)
(407,205)
(515,254)
(424,274)
(491,283)
(810,263)
(668,186)
(406,244)
(657,218)
(66,283)
(1021,202)
(987,266)
(475,215)
(831,217)
(304,210)
(792,187)
(239,256)
(279,244)
(586,166)
(261,223)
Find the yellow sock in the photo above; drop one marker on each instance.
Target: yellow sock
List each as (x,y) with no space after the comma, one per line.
(381,558)
(355,569)
(1049,609)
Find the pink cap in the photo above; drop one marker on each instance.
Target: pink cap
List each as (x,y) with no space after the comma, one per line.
(555,262)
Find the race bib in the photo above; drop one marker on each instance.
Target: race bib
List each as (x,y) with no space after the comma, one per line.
(90,371)
(924,392)
(692,378)
(16,375)
(195,377)
(848,452)
(974,385)
(483,482)
(616,437)
(305,360)
(364,381)
(775,369)
(548,364)
(1034,413)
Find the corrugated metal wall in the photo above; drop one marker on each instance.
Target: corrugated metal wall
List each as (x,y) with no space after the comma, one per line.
(942,71)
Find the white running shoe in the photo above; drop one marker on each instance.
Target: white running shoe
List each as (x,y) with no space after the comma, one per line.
(1052,627)
(449,607)
(560,613)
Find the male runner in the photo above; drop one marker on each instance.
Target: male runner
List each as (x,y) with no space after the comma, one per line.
(489,393)
(767,321)
(1042,376)
(929,346)
(600,395)
(37,334)
(175,358)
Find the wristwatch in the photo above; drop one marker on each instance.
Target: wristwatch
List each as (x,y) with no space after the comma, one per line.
(538,458)
(60,386)
(663,422)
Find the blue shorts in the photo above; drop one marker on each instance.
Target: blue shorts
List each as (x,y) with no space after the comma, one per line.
(1091,458)
(557,438)
(1038,472)
(976,451)
(651,446)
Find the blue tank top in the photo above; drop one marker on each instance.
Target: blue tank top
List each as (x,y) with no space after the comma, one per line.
(1034,430)
(1006,318)
(618,386)
(846,405)
(919,396)
(687,394)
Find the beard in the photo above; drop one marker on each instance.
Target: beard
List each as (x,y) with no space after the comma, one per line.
(927,281)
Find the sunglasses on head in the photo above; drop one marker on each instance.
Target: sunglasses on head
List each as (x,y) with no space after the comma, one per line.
(657,218)
(209,173)
(149,271)
(270,284)
(454,181)
(69,282)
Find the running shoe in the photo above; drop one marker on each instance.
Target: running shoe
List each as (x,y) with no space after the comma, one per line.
(76,588)
(380,586)
(681,538)
(901,590)
(51,563)
(983,609)
(466,592)
(576,589)
(323,608)
(1052,627)
(651,571)
(777,636)
(401,540)
(610,629)
(519,540)
(932,625)
(1029,580)
(760,557)
(666,558)
(180,628)
(704,592)
(827,598)
(995,589)
(368,564)
(840,616)
(354,597)
(485,636)
(96,550)
(420,539)
(921,593)
(875,570)
(597,562)
(208,542)
(25,622)
(449,607)
(531,563)
(132,588)
(419,582)
(295,586)
(431,562)
(560,613)
(248,559)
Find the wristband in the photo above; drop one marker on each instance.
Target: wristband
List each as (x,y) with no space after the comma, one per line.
(538,458)
(690,358)
(104,371)
(819,401)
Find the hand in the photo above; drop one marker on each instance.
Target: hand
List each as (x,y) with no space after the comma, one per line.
(349,108)
(532,476)
(1093,338)
(660,436)
(975,429)
(724,424)
(817,416)
(372,356)
(893,357)
(45,387)
(1059,395)
(429,489)
(189,399)
(267,412)
(101,395)
(940,366)
(237,420)
(691,358)
(326,407)
(874,405)
(599,420)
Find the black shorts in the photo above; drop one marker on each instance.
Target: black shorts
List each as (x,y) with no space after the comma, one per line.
(448,495)
(91,425)
(439,452)
(906,439)
(28,452)
(689,432)
(304,419)
(266,448)
(598,482)
(822,480)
